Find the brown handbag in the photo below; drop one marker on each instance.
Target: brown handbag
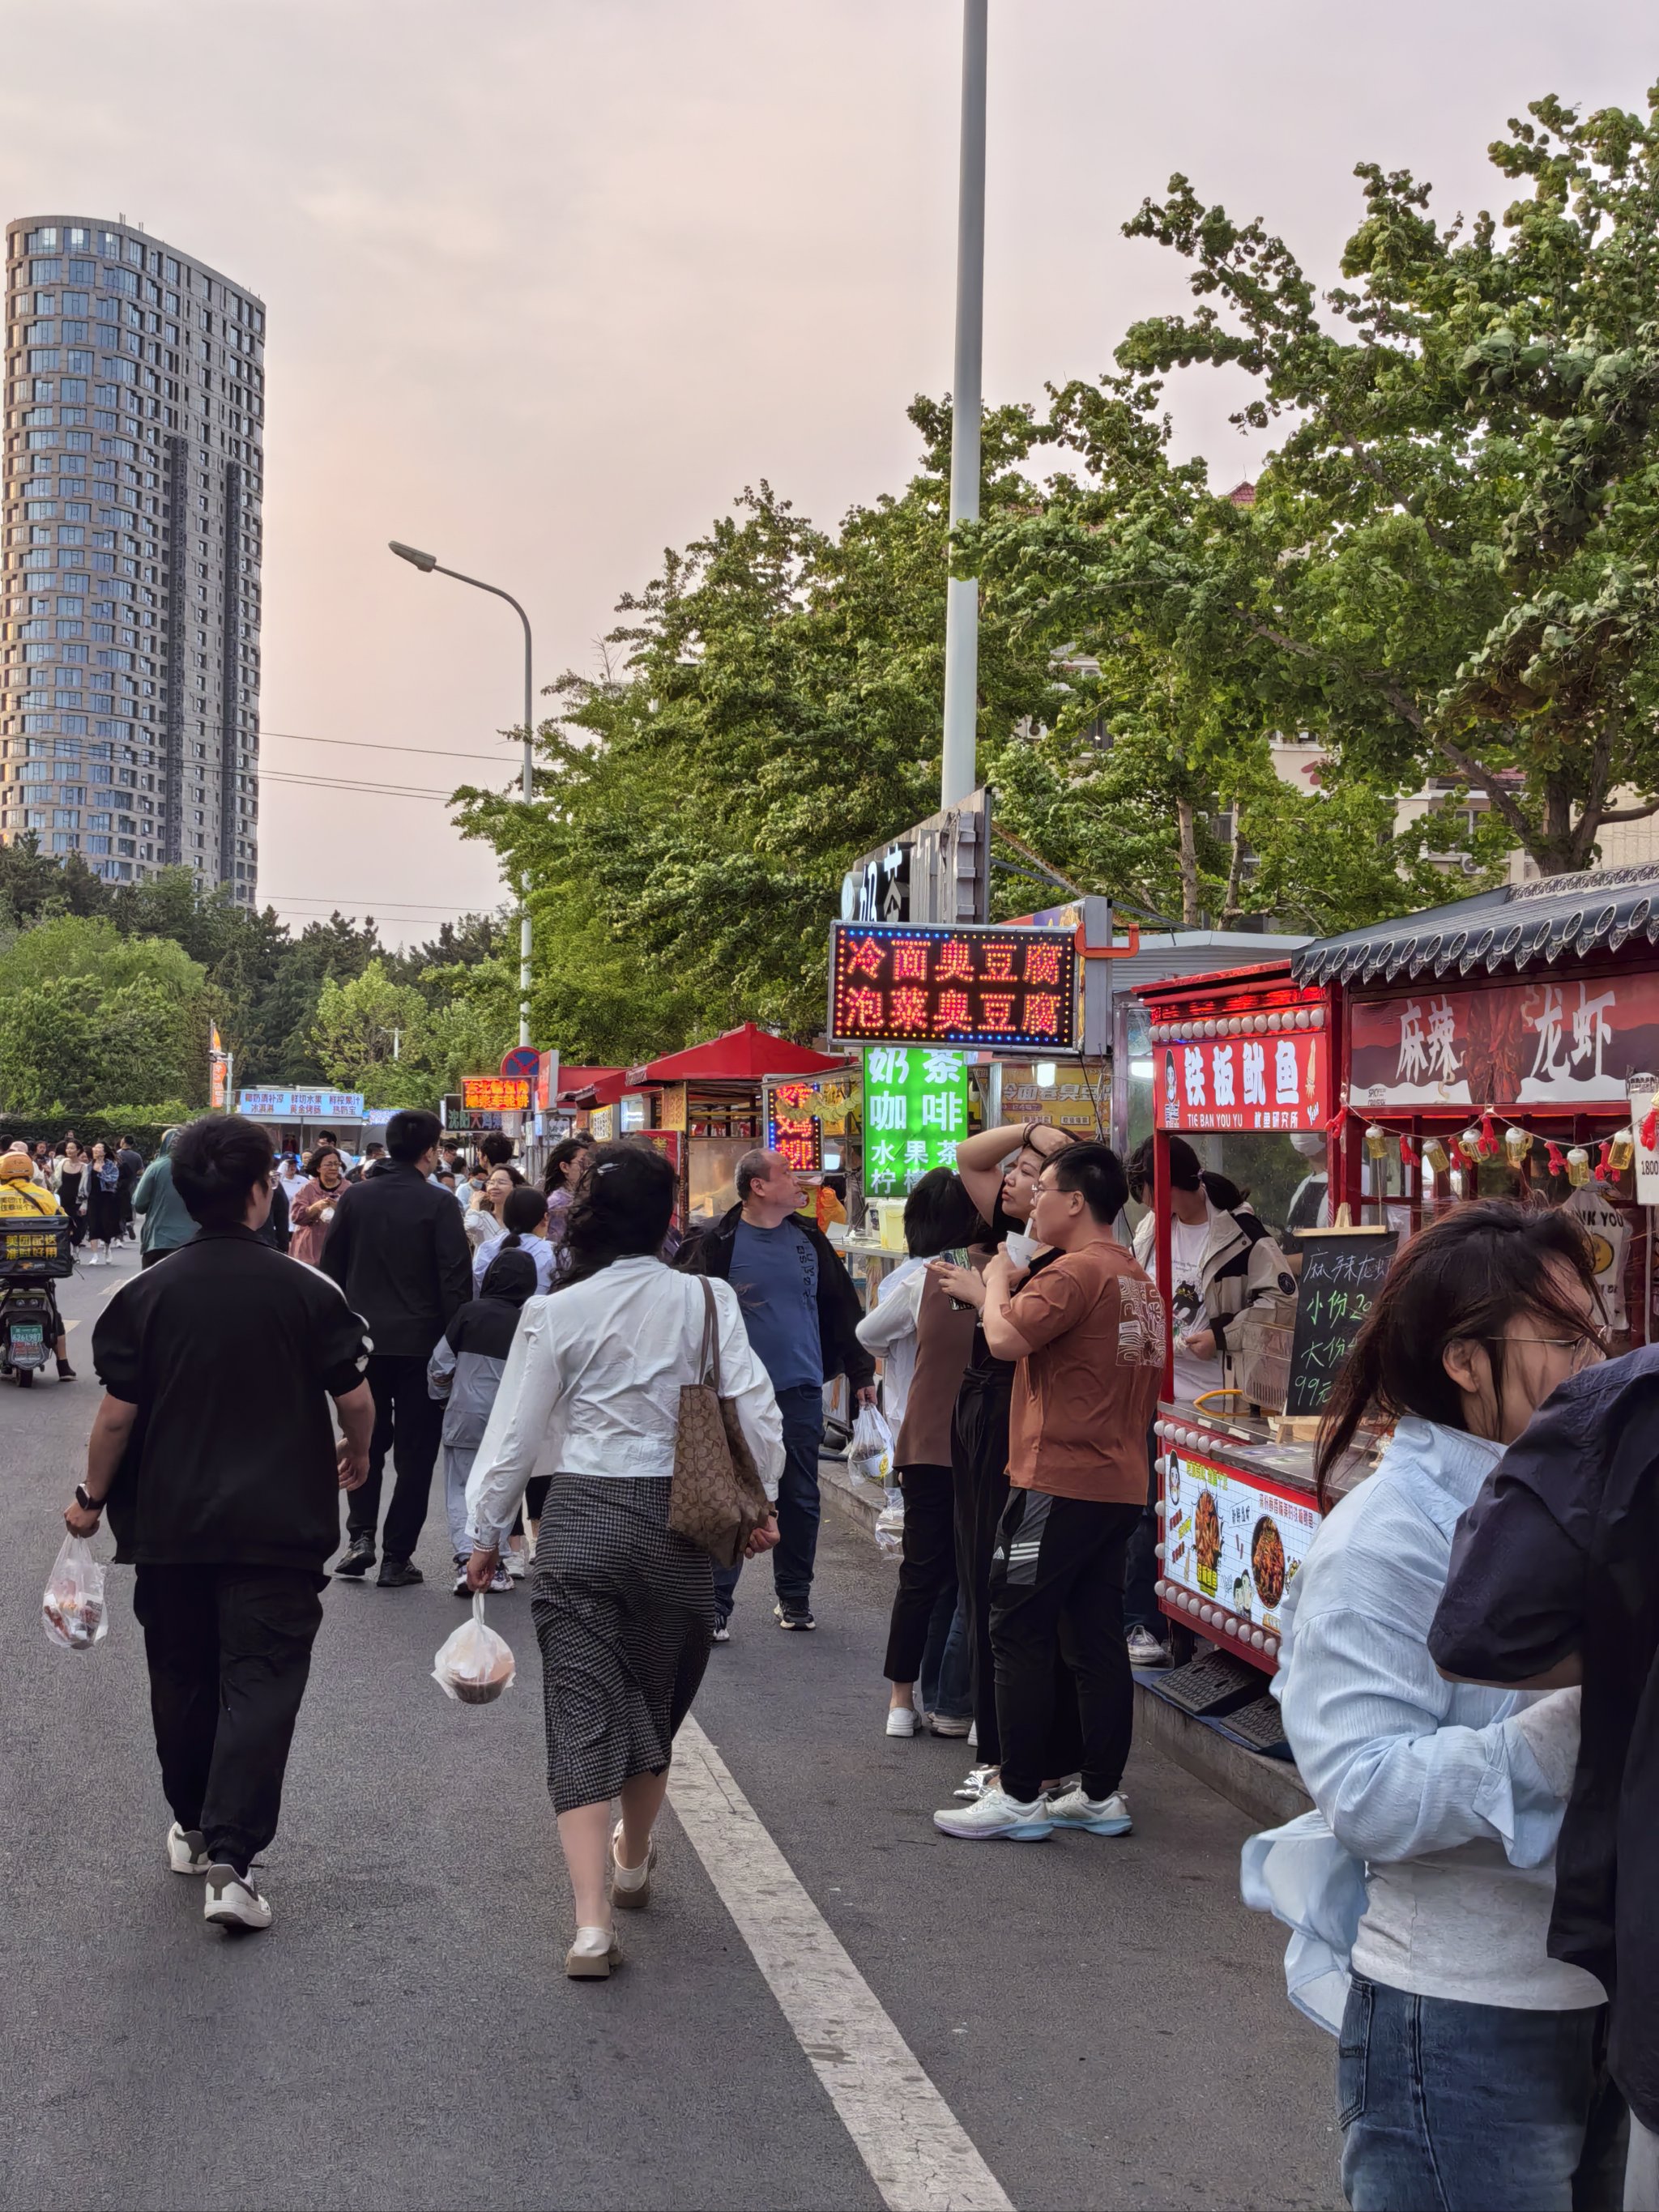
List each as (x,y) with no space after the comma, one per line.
(718,1500)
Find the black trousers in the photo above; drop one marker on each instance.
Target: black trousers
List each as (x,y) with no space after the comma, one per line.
(927,1567)
(1057,1593)
(409,1425)
(1140,1568)
(230,1653)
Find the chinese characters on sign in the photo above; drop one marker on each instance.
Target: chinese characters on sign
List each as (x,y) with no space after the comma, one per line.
(1229,1540)
(1537,1042)
(964,987)
(1244,1083)
(495,1094)
(794,1128)
(301,1105)
(915,1114)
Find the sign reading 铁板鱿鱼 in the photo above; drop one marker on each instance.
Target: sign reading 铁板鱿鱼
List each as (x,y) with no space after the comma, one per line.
(1267,1082)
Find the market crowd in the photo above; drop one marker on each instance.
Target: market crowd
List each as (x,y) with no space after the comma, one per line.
(1467,1649)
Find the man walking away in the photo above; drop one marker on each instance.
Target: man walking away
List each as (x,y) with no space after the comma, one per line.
(802,1314)
(214,1450)
(167,1222)
(396,1249)
(1087,1332)
(373,1160)
(130,1163)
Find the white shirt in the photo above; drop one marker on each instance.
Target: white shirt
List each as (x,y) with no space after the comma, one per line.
(538,1248)
(595,1374)
(889,1330)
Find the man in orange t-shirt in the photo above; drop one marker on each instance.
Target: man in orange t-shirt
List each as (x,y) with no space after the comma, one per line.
(1086,1327)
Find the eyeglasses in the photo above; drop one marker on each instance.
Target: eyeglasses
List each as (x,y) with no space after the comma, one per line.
(1583,1349)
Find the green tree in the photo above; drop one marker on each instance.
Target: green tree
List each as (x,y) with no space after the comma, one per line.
(368,1034)
(88,1016)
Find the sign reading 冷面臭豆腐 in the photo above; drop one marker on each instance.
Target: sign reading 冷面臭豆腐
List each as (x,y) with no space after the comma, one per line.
(1014,988)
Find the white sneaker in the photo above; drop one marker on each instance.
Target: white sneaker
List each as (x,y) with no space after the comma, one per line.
(974,1783)
(991,1814)
(186,1851)
(1144,1650)
(947,1724)
(904,1720)
(1099,1816)
(722,1634)
(514,1565)
(233,1901)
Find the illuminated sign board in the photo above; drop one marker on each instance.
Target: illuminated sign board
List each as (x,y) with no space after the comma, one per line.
(794,1128)
(903,984)
(915,1114)
(1277,1082)
(301,1105)
(495,1094)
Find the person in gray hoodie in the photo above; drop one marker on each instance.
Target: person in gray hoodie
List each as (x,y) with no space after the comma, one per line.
(465,1371)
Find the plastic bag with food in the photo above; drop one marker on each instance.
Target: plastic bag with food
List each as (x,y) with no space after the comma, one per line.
(73,1609)
(474,1665)
(869,1456)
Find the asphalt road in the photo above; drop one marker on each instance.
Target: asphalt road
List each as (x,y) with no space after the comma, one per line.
(1103,2018)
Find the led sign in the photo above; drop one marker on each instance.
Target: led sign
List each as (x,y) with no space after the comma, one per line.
(495,1094)
(903,984)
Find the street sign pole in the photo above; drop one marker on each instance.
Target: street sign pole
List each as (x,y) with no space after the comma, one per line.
(957,776)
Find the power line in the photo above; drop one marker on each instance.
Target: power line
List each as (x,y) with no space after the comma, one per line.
(364,745)
(342,783)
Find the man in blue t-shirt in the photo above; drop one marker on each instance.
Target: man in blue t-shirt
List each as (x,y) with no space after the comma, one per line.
(802,1313)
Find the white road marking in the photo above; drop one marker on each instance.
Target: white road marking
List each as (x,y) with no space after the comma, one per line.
(918,2152)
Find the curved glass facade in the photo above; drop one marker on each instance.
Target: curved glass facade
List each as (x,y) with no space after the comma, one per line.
(130,593)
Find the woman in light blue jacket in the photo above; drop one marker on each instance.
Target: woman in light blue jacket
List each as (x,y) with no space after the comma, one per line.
(1472,2070)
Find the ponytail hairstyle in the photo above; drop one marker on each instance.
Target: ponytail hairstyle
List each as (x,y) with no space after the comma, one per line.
(523,1211)
(1461,1279)
(622,1209)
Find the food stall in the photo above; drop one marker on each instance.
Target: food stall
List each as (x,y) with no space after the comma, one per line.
(296,1118)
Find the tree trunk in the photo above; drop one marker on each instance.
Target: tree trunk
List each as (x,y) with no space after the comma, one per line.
(1191,914)
(1230,906)
(1554,849)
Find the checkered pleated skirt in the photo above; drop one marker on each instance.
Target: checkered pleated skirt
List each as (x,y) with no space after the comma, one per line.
(624,1613)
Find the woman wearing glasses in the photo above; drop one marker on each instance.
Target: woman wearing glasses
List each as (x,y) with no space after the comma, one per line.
(1471,2068)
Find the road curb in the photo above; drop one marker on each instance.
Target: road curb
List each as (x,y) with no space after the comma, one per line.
(858,1503)
(1269,1789)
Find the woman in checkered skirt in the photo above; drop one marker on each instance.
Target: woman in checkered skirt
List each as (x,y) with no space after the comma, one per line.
(623,1608)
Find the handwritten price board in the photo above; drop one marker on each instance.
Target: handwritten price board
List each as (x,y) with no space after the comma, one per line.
(1342,1272)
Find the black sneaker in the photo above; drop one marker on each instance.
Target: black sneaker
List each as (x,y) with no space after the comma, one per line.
(395,1574)
(793,1616)
(357,1557)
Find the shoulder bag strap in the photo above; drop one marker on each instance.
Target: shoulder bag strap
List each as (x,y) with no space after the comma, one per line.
(711,1338)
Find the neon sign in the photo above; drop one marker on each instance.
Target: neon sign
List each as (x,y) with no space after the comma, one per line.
(495,1094)
(904,984)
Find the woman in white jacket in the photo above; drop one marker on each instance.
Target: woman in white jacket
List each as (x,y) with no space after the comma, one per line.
(623,1608)
(1471,2071)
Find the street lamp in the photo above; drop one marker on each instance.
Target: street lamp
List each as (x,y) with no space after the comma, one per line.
(427,563)
(958,772)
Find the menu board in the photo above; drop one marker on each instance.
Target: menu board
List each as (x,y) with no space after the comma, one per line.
(1342,1271)
(1232,1541)
(913,985)
(915,1114)
(794,1129)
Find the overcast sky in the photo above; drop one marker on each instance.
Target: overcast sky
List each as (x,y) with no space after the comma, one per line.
(549,281)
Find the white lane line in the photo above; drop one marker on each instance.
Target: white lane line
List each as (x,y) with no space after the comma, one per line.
(918,2152)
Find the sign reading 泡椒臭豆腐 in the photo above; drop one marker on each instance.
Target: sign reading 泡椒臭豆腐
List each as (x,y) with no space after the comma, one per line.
(1013,987)
(915,1114)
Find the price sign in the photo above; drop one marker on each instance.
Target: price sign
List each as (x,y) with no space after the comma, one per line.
(794,1129)
(495,1094)
(1004,987)
(1342,1272)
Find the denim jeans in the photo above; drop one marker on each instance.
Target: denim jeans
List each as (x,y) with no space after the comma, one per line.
(1452,2107)
(945,1684)
(799,1506)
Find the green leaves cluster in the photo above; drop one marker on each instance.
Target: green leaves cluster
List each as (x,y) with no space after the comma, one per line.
(88,1016)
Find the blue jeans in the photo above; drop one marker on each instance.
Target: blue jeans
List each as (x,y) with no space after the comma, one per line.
(945,1684)
(799,1506)
(1451,2107)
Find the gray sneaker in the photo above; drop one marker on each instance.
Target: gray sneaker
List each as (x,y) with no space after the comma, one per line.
(1144,1650)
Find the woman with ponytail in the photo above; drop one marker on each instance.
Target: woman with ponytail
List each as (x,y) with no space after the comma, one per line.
(1472,2070)
(523,1226)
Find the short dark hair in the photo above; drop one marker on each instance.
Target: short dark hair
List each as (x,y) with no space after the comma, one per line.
(495,1146)
(940,1217)
(315,1164)
(377,1147)
(750,1169)
(217,1161)
(623,1210)
(521,1209)
(1097,1171)
(412,1132)
(1185,1173)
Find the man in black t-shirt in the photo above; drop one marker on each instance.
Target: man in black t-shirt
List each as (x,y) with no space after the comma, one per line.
(214,1451)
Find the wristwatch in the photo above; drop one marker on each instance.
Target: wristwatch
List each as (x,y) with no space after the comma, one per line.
(87,1504)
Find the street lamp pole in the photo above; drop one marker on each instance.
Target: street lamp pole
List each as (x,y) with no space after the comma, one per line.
(958,772)
(428,564)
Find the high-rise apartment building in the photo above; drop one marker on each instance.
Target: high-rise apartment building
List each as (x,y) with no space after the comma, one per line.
(130,591)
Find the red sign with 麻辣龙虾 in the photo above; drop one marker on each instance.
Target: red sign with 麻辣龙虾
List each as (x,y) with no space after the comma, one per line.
(907,984)
(1539,1041)
(1267,1082)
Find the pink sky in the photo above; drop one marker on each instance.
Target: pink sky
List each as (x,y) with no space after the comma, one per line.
(549,281)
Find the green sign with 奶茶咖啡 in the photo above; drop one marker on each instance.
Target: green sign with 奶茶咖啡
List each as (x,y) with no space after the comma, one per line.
(915,1114)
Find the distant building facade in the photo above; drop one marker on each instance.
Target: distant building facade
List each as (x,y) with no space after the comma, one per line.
(134,480)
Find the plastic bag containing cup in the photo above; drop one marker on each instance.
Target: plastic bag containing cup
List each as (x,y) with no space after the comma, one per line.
(473,1665)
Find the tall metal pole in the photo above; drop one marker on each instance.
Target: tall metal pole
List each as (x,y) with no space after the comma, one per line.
(958,772)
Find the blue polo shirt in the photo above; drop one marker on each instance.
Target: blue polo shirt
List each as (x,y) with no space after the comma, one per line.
(774,1272)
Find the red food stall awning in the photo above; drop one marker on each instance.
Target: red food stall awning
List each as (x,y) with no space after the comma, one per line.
(745,1054)
(592,1086)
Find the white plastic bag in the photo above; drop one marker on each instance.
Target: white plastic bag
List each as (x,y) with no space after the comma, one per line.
(870,1456)
(889,1524)
(72,1610)
(474,1665)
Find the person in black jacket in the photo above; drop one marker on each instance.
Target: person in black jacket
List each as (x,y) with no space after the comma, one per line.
(802,1314)
(214,1450)
(396,1249)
